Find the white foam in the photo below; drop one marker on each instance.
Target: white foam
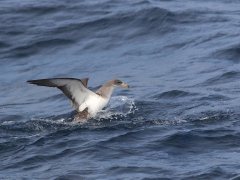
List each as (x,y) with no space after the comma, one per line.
(118,106)
(8,122)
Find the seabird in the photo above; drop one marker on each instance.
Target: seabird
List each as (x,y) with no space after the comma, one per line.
(86,102)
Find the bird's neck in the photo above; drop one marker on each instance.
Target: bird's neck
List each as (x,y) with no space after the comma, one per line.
(105,91)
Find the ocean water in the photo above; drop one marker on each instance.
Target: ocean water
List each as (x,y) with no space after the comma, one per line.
(180,119)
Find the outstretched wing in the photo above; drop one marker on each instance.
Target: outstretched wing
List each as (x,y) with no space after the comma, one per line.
(75,89)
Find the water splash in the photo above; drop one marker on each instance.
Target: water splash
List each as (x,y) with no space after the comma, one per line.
(118,108)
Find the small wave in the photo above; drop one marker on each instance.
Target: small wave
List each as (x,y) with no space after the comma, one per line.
(227,77)
(197,15)
(3,45)
(164,122)
(33,48)
(236,177)
(210,116)
(39,10)
(33,125)
(214,97)
(232,54)
(173,94)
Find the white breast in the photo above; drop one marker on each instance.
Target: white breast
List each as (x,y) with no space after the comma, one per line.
(94,104)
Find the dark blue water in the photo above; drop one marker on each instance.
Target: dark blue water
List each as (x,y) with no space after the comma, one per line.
(180,120)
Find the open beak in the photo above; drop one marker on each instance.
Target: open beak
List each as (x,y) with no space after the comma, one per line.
(124,85)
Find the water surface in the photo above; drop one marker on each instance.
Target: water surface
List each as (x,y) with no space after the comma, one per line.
(180,120)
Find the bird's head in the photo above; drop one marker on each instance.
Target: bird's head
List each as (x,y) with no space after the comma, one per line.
(118,83)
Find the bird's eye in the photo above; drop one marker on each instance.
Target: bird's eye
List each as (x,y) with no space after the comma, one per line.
(119,82)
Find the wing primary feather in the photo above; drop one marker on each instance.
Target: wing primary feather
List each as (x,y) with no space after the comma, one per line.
(43,82)
(53,82)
